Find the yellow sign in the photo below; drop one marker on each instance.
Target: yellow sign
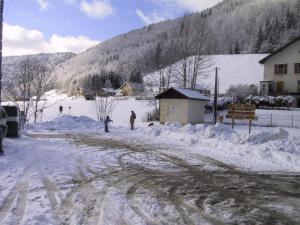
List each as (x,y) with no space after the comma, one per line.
(242,112)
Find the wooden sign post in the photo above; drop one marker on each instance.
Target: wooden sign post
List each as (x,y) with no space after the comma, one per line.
(242,112)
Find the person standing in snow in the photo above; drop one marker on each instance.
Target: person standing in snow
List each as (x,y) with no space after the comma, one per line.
(60,109)
(22,119)
(107,120)
(132,119)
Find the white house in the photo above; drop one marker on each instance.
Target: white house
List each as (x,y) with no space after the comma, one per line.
(182,105)
(282,71)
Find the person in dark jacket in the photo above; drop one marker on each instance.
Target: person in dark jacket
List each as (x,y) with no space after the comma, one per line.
(60,109)
(107,120)
(132,119)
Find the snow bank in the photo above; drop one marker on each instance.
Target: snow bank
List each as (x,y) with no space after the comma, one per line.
(265,149)
(68,123)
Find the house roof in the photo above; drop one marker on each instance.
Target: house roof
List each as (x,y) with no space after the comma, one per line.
(181,93)
(279,50)
(134,85)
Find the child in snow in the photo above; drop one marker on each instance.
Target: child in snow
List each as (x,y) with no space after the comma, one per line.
(107,120)
(22,120)
(60,109)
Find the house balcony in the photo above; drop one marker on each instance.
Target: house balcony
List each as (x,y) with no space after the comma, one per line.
(273,88)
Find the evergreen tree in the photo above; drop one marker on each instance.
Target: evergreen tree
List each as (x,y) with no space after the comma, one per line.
(260,37)
(136,76)
(291,20)
(237,49)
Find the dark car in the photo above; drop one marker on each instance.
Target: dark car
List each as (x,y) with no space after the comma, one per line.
(3,125)
(90,97)
(13,121)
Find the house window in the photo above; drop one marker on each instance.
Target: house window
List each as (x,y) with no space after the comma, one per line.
(297,67)
(281,68)
(264,87)
(298,85)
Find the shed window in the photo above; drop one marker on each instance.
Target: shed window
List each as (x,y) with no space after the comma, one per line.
(281,68)
(297,67)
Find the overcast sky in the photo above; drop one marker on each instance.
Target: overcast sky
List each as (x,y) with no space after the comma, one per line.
(35,26)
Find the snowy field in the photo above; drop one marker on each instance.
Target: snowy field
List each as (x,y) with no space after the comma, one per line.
(81,107)
(66,170)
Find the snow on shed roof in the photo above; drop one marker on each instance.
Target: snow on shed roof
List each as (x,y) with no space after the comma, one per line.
(185,93)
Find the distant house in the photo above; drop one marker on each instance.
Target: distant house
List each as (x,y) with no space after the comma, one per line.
(182,105)
(132,89)
(282,71)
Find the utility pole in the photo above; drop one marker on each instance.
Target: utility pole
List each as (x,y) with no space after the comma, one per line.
(215,107)
(1,34)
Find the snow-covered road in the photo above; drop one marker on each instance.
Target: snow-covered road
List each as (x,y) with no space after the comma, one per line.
(71,178)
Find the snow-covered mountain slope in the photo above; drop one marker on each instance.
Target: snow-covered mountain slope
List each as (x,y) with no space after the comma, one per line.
(234,26)
(50,59)
(11,64)
(232,70)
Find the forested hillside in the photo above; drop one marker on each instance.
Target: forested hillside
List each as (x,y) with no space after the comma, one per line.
(233,26)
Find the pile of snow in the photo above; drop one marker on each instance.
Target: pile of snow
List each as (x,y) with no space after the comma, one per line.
(68,123)
(265,149)
(265,136)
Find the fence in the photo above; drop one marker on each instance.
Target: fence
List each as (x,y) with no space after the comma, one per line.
(276,120)
(266,119)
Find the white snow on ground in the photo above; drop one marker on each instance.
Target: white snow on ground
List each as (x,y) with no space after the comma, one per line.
(265,149)
(64,123)
(40,177)
(78,106)
(46,180)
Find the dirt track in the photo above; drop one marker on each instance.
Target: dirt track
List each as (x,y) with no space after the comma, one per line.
(163,187)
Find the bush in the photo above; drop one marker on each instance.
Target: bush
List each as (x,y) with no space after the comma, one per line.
(222,103)
(241,91)
(271,101)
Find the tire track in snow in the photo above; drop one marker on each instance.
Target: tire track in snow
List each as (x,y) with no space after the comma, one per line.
(19,192)
(198,183)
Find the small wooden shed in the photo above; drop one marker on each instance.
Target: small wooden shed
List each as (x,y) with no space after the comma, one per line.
(132,89)
(182,105)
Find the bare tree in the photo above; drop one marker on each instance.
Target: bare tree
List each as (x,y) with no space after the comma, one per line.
(192,42)
(29,83)
(171,58)
(41,83)
(24,81)
(104,107)
(184,41)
